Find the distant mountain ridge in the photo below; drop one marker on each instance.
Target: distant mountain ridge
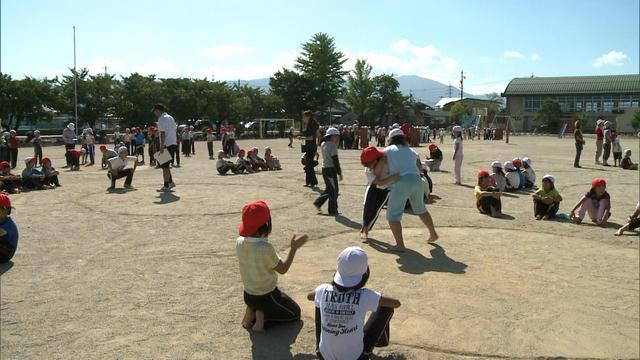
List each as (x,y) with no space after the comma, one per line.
(425,90)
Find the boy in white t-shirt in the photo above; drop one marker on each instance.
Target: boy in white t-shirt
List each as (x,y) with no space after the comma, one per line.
(341,307)
(122,166)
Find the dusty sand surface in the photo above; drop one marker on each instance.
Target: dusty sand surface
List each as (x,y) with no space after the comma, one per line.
(140,275)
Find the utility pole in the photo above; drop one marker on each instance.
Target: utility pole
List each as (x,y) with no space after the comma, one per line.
(75,80)
(449,88)
(105,69)
(462,77)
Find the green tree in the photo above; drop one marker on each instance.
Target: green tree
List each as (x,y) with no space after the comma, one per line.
(294,89)
(458,112)
(549,112)
(28,99)
(135,96)
(321,64)
(635,120)
(359,89)
(387,101)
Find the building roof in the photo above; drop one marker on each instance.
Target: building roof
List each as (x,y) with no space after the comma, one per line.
(444,101)
(608,84)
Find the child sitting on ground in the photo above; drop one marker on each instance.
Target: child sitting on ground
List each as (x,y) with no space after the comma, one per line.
(11,184)
(106,155)
(498,178)
(346,302)
(32,178)
(243,164)
(633,222)
(50,173)
(529,173)
(273,163)
(596,202)
(546,201)
(256,161)
(8,230)
(223,166)
(512,176)
(487,197)
(626,162)
(434,159)
(517,162)
(259,268)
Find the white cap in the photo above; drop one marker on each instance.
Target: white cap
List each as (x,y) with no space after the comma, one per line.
(457,128)
(396,132)
(395,126)
(332,131)
(83,150)
(28,159)
(71,126)
(497,164)
(121,149)
(526,160)
(550,178)
(352,264)
(627,152)
(36,132)
(509,165)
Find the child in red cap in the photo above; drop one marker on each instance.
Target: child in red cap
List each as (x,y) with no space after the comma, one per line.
(10,183)
(596,202)
(8,230)
(377,194)
(50,173)
(259,267)
(487,197)
(434,159)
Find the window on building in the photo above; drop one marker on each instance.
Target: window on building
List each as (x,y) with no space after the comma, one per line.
(624,102)
(607,104)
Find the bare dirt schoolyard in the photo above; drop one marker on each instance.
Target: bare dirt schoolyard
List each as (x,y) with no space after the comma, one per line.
(143,275)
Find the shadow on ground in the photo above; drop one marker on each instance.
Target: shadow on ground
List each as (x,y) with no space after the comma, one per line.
(413,262)
(166,198)
(276,343)
(5,267)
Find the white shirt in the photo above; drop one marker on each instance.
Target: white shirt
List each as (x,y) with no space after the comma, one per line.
(530,175)
(117,163)
(167,124)
(210,137)
(513,179)
(458,140)
(343,316)
(401,160)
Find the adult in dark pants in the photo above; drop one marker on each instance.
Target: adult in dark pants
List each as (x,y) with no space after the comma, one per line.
(599,139)
(346,302)
(118,168)
(607,143)
(330,171)
(579,139)
(310,147)
(168,142)
(69,138)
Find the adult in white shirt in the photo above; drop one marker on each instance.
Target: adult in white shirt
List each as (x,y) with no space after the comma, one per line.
(121,166)
(341,307)
(168,141)
(405,162)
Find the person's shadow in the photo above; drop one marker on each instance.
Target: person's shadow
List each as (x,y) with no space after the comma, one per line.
(166,198)
(276,342)
(413,262)
(5,267)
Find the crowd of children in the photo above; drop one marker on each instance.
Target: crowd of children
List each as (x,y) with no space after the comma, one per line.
(248,162)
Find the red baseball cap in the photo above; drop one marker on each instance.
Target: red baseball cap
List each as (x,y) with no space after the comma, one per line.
(517,163)
(254,215)
(370,154)
(598,182)
(432,147)
(4,164)
(45,159)
(482,173)
(5,201)
(209,130)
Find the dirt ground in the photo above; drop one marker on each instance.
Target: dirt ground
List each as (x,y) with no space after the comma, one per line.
(140,275)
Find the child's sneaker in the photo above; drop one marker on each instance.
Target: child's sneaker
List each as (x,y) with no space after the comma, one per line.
(172,185)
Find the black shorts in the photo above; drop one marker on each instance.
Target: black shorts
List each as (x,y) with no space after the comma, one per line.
(139,149)
(6,252)
(172,150)
(634,223)
(617,156)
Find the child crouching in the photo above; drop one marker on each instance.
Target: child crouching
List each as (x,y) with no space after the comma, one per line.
(259,268)
(546,201)
(9,182)
(487,197)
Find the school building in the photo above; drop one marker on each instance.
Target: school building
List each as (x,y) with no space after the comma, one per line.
(612,97)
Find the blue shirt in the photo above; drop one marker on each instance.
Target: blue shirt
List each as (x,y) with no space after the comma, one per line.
(11,237)
(139,139)
(27,173)
(522,179)
(401,160)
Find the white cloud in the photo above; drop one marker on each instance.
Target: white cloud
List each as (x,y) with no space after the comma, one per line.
(612,58)
(146,32)
(406,58)
(513,54)
(161,68)
(96,65)
(535,57)
(251,70)
(227,51)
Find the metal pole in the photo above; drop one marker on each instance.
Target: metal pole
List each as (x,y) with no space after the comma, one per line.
(75,80)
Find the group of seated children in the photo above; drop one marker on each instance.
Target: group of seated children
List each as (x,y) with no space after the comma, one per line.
(249,162)
(268,306)
(32,178)
(434,159)
(514,175)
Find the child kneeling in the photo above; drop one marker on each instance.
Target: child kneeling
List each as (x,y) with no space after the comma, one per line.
(259,269)
(546,201)
(487,197)
(341,307)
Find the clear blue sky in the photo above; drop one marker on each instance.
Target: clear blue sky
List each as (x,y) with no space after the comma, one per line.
(493,41)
